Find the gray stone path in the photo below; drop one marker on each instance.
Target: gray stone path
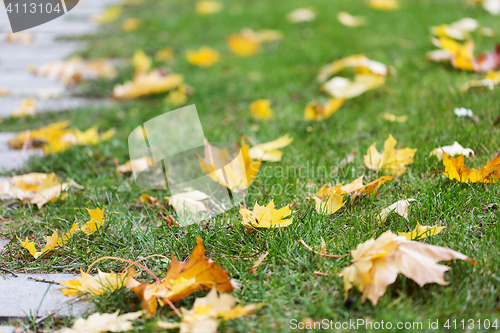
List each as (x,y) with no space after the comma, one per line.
(22,297)
(47,46)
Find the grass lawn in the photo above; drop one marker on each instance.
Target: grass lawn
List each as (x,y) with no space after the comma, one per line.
(285,73)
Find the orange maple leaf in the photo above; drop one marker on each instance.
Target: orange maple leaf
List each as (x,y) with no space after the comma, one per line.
(455,169)
(181,280)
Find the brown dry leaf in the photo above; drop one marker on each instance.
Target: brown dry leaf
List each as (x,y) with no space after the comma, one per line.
(149,200)
(316,111)
(266,216)
(257,263)
(400,207)
(103,322)
(269,151)
(182,279)
(456,170)
(391,160)
(376,264)
(238,173)
(421,232)
(207,312)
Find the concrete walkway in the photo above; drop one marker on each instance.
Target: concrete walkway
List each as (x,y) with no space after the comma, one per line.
(47,46)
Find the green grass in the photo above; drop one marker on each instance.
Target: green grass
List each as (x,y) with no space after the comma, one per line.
(285,73)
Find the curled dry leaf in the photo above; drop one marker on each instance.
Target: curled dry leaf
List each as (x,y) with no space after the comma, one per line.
(269,151)
(103,322)
(376,264)
(238,173)
(261,109)
(315,111)
(207,312)
(351,21)
(95,285)
(456,170)
(56,137)
(257,263)
(208,7)
(455,149)
(181,280)
(421,232)
(204,57)
(301,15)
(266,216)
(391,160)
(400,207)
(192,201)
(342,88)
(359,62)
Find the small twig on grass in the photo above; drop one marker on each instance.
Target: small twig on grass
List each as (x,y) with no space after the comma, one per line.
(42,280)
(322,274)
(259,261)
(323,254)
(8,271)
(41,319)
(430,173)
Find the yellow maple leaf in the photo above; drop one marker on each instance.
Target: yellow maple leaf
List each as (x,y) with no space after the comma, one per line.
(103,322)
(142,63)
(204,57)
(329,199)
(391,160)
(456,170)
(421,232)
(315,111)
(266,216)
(359,62)
(155,82)
(269,151)
(95,222)
(243,46)
(110,15)
(207,312)
(131,24)
(95,285)
(376,264)
(208,7)
(386,5)
(181,280)
(235,173)
(261,109)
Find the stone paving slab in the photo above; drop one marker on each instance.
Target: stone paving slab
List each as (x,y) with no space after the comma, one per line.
(9,104)
(22,297)
(11,159)
(3,242)
(24,83)
(7,329)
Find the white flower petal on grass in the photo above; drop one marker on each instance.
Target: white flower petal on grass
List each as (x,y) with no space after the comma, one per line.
(463,112)
(400,207)
(455,149)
